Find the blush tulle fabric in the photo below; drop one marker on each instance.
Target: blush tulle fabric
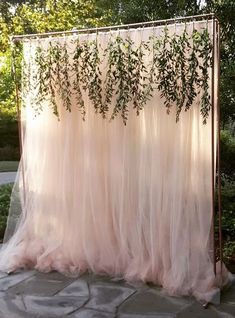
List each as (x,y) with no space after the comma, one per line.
(131,201)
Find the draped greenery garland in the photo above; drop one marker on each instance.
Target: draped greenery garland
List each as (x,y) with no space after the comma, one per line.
(178,67)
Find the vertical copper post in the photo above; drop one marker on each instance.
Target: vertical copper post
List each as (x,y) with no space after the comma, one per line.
(17,98)
(218,152)
(212,145)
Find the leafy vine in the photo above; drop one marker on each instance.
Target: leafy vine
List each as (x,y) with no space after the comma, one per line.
(40,79)
(192,77)
(181,67)
(141,89)
(26,75)
(121,55)
(205,55)
(65,81)
(90,73)
(166,75)
(77,80)
(111,76)
(49,75)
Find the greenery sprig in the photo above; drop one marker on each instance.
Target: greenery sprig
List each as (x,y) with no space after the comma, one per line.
(165,79)
(65,78)
(192,76)
(205,54)
(40,80)
(126,77)
(26,75)
(123,75)
(77,78)
(182,48)
(141,83)
(90,73)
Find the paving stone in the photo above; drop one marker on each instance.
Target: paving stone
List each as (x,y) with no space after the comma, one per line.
(138,285)
(53,306)
(89,313)
(77,288)
(2,274)
(107,297)
(53,276)
(98,278)
(151,302)
(14,278)
(196,310)
(26,295)
(216,297)
(181,302)
(43,284)
(94,278)
(146,316)
(228,295)
(12,307)
(224,310)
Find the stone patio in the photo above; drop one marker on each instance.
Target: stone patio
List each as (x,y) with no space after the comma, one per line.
(30,294)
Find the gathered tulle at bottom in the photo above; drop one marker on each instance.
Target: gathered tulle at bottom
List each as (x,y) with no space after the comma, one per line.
(32,254)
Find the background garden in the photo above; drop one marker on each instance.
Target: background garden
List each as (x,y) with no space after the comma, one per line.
(32,16)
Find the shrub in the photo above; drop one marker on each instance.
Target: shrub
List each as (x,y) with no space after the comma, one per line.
(5,195)
(9,153)
(228,154)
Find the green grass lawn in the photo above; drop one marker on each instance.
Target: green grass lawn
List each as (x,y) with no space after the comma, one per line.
(6,166)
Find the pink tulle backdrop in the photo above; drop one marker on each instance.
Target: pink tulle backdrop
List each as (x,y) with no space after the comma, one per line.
(132,201)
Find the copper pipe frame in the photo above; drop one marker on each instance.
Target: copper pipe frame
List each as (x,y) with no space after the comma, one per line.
(17,99)
(114,27)
(216,110)
(218,152)
(212,147)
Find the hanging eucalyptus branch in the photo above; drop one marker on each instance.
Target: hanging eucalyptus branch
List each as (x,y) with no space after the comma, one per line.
(192,76)
(205,55)
(111,78)
(55,60)
(118,76)
(90,73)
(178,64)
(26,75)
(65,78)
(77,80)
(166,77)
(49,75)
(153,48)
(179,68)
(141,83)
(40,79)
(182,48)
(126,77)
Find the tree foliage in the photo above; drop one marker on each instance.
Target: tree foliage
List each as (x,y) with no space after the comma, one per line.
(132,11)
(225,10)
